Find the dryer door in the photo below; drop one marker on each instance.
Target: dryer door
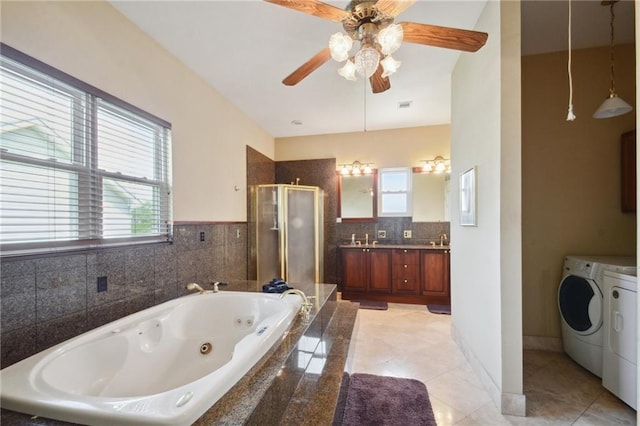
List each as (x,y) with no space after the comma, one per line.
(580,304)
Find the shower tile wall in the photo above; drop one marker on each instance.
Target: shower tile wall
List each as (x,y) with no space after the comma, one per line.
(260,170)
(49,299)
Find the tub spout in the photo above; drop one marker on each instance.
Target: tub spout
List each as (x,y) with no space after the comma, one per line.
(194,286)
(305,309)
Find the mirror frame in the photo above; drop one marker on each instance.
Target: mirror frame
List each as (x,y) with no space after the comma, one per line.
(374,217)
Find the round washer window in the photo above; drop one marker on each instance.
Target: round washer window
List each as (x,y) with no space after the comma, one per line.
(576,302)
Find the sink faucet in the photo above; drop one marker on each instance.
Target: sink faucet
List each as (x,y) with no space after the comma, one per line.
(442,237)
(366,239)
(305,309)
(194,286)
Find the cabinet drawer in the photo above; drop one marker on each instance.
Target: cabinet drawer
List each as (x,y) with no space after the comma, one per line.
(406,272)
(406,257)
(406,285)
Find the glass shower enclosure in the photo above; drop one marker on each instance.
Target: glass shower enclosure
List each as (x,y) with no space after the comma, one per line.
(286,236)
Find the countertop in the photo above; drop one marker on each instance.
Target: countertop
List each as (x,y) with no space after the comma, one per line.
(398,246)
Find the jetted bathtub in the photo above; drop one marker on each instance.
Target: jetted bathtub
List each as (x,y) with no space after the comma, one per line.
(164,365)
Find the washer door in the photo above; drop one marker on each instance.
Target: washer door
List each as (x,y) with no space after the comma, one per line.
(580,304)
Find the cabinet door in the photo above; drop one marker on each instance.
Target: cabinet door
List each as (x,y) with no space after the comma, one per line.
(435,272)
(628,167)
(355,269)
(380,270)
(406,267)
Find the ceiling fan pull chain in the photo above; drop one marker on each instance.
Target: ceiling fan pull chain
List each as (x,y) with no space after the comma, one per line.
(570,115)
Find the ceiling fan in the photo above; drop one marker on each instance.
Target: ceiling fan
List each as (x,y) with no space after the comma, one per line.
(371,23)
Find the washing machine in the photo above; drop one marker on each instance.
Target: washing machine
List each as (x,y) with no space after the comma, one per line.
(580,302)
(620,350)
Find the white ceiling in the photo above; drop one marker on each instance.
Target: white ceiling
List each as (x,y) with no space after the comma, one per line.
(245,48)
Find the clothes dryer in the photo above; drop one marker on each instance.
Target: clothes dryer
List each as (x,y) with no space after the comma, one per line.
(580,302)
(620,350)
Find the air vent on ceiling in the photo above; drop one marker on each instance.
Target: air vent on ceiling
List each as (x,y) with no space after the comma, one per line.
(404,104)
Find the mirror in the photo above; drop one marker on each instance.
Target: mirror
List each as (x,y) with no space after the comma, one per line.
(357,197)
(431,197)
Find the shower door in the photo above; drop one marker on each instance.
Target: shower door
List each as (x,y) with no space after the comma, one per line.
(288,239)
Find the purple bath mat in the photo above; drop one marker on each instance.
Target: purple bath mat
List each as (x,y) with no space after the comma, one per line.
(385,401)
(439,309)
(372,304)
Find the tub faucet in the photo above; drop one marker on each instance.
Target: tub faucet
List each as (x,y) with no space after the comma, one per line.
(194,286)
(305,309)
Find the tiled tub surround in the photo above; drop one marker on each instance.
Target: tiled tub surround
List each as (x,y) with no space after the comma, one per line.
(299,377)
(201,344)
(48,299)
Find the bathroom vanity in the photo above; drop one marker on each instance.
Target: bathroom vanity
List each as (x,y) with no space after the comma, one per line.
(396,273)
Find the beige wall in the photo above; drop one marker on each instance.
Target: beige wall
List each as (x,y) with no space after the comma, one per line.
(95,43)
(485,259)
(571,173)
(386,148)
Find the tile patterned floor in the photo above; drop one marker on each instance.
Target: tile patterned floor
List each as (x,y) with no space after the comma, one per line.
(408,341)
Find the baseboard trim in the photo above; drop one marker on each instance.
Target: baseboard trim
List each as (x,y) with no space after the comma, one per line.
(507,403)
(538,343)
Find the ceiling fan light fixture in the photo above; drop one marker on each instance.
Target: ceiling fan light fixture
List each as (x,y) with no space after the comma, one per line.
(348,71)
(367,60)
(389,66)
(339,45)
(390,38)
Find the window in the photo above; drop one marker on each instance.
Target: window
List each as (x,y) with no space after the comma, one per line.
(395,192)
(78,167)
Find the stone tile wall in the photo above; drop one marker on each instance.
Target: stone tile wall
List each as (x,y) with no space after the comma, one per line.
(48,299)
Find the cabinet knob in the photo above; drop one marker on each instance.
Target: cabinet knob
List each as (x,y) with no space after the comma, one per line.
(405,266)
(405,251)
(405,281)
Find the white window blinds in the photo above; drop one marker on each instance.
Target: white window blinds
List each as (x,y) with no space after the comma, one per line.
(78,168)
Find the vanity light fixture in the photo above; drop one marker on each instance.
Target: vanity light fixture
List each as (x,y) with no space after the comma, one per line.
(356,169)
(437,165)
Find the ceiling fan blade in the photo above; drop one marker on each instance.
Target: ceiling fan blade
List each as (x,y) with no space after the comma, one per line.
(450,38)
(308,67)
(394,7)
(315,8)
(379,84)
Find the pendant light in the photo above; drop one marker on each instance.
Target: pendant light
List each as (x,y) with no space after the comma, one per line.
(613,105)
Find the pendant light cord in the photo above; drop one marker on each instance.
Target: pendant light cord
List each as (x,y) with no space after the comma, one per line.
(612,89)
(570,115)
(364,92)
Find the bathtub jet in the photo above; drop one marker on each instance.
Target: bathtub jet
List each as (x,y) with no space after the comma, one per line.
(164,365)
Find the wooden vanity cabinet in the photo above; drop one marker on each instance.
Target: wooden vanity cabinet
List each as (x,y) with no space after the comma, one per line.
(406,271)
(366,270)
(400,275)
(435,273)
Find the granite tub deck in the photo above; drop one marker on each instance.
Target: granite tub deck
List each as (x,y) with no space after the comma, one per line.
(298,379)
